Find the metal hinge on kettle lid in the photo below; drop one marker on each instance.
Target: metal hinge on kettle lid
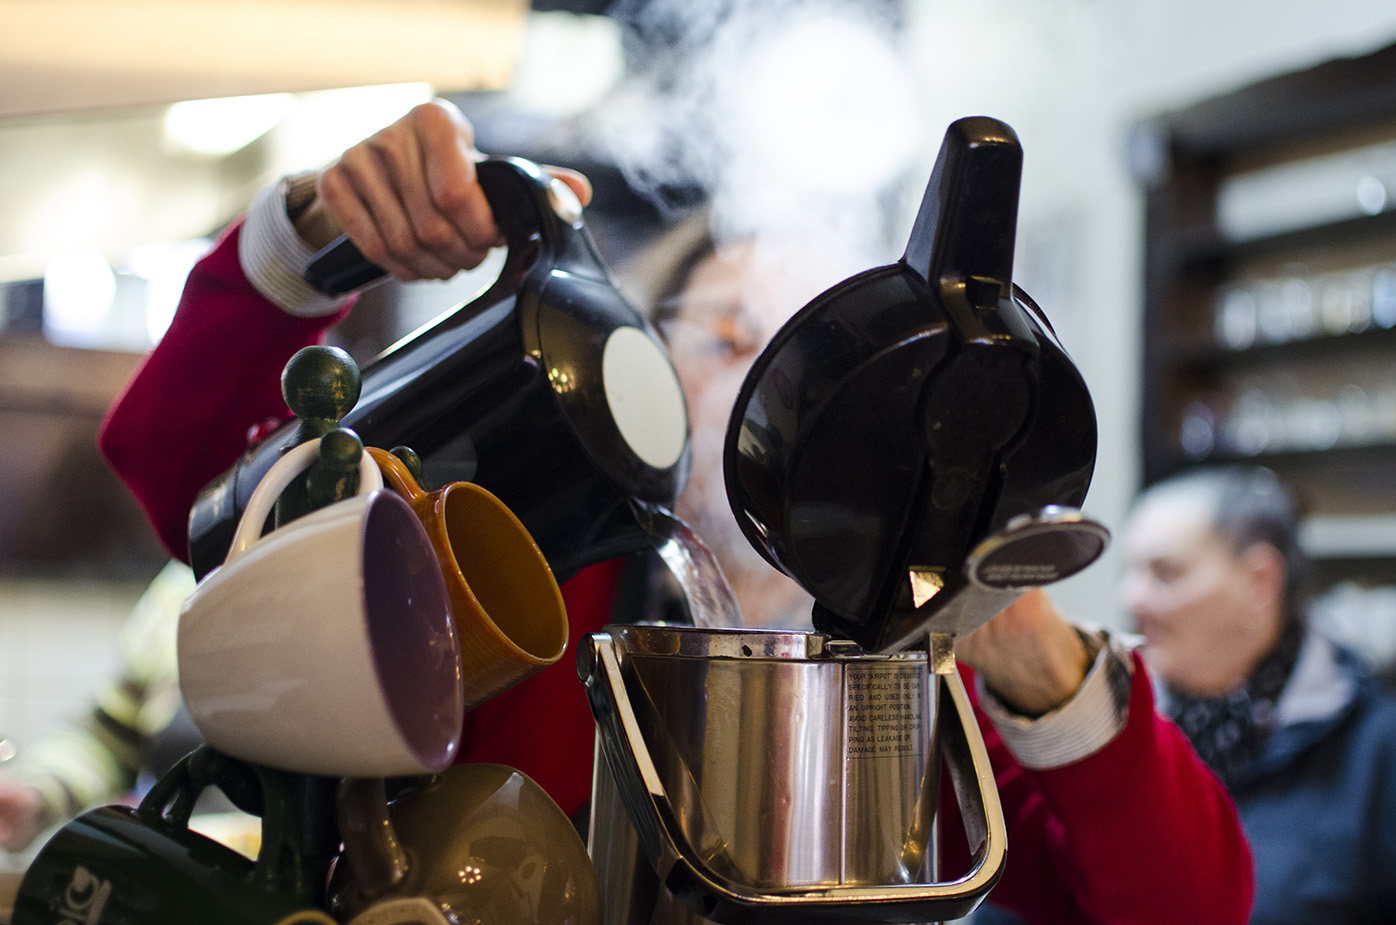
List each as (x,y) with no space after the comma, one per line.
(913,446)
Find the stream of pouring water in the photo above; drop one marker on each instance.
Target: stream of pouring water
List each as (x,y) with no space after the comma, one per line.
(693,565)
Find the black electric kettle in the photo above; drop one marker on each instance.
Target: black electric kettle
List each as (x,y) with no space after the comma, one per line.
(550,389)
(913,445)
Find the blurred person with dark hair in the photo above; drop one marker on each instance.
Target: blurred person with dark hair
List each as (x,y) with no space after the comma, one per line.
(716,307)
(1112,817)
(1292,724)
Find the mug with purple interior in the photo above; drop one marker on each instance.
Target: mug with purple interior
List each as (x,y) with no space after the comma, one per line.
(326,646)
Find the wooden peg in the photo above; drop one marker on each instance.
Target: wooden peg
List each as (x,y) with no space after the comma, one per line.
(320,384)
(335,475)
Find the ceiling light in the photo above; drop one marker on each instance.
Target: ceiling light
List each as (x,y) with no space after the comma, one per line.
(327,122)
(219,127)
(78,292)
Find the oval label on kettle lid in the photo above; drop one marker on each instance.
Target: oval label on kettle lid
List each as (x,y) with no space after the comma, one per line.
(1037,549)
(644,395)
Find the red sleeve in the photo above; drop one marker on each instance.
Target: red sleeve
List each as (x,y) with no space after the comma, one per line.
(185,416)
(1141,831)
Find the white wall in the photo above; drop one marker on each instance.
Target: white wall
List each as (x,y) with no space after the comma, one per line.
(1071,77)
(58,640)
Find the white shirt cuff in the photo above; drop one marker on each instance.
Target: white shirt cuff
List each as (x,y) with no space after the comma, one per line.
(1086,723)
(274,257)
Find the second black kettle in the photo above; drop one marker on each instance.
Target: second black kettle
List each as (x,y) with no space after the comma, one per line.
(913,445)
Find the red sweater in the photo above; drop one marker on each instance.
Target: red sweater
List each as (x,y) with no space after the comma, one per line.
(1138,832)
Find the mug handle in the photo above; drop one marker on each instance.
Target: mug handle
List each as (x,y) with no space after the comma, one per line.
(258,790)
(171,799)
(371,846)
(396,473)
(292,463)
(692,874)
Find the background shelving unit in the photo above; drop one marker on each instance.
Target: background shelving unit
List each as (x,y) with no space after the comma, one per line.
(1270,301)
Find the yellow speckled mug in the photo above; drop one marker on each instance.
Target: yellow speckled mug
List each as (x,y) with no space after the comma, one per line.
(509,614)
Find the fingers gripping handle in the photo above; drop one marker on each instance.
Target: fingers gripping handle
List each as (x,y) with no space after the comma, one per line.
(507,183)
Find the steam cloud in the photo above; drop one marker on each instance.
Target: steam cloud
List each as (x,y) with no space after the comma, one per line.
(795,121)
(794,118)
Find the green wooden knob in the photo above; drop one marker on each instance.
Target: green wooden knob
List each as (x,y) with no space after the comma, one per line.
(321,383)
(340,451)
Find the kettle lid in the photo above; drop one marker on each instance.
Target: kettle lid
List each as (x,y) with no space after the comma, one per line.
(905,416)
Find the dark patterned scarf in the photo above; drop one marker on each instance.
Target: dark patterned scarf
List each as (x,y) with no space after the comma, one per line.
(1229,731)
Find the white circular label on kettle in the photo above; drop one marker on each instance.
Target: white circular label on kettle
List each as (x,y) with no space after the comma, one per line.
(645,397)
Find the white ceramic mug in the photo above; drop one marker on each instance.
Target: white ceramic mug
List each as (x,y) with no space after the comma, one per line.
(327,646)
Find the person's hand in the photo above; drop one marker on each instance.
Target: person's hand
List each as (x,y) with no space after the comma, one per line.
(21,815)
(1029,655)
(408,198)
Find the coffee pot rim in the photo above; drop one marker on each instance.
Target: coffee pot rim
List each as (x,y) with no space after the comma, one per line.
(753,643)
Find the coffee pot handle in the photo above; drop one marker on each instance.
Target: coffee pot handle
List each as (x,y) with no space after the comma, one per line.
(687,873)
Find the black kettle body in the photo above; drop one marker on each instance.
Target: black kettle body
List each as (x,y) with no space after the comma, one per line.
(549,389)
(910,415)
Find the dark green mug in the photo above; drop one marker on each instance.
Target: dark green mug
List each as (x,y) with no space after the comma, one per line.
(144,866)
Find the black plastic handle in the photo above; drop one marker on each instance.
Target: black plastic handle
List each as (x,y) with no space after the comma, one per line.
(341,267)
(510,185)
(968,219)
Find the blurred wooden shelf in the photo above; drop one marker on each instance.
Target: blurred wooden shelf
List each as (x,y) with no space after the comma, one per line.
(1305,134)
(37,377)
(9,888)
(1349,537)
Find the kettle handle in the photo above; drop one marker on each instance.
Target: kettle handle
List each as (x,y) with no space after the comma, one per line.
(686,873)
(341,267)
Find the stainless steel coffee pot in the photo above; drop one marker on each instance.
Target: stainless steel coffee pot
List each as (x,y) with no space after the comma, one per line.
(787,777)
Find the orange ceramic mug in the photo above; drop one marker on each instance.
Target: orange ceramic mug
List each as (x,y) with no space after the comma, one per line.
(509,614)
